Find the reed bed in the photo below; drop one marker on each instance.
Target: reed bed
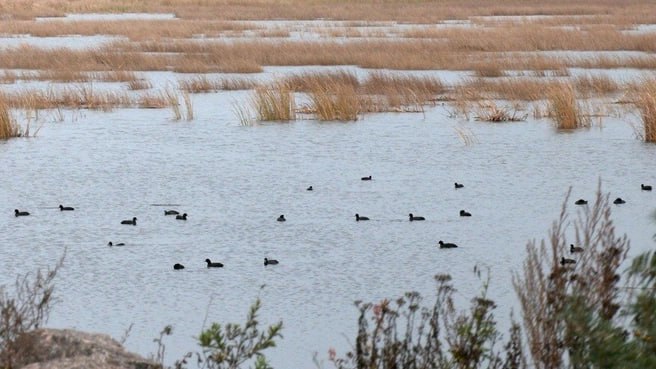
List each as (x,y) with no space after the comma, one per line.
(335,101)
(139,84)
(199,84)
(250,56)
(82,97)
(590,85)
(564,108)
(8,126)
(274,103)
(367,10)
(204,84)
(645,101)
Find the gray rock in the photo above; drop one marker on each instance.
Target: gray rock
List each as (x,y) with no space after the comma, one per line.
(70,349)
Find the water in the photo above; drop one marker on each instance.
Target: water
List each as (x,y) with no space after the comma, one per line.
(234,181)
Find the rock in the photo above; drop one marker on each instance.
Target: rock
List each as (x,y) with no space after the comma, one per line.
(70,349)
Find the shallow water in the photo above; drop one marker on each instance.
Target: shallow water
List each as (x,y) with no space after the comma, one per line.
(235,180)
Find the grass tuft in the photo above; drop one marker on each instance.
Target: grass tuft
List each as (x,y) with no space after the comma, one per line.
(275,103)
(646,103)
(564,109)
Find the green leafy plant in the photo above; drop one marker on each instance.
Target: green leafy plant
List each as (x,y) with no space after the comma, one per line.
(230,346)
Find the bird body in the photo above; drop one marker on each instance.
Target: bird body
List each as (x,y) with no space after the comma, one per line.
(270,261)
(564,261)
(359,218)
(210,264)
(19,213)
(414,218)
(574,249)
(65,208)
(130,222)
(447,245)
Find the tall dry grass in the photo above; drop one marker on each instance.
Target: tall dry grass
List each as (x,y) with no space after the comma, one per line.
(8,127)
(366,10)
(564,108)
(335,101)
(645,101)
(274,103)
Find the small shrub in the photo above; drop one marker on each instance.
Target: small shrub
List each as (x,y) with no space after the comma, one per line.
(229,346)
(489,111)
(25,308)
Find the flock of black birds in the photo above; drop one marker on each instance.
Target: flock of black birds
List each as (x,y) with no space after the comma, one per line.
(358,218)
(576,249)
(133,221)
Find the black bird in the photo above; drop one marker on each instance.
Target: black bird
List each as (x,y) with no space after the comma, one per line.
(110,244)
(210,264)
(309,188)
(645,187)
(130,222)
(359,218)
(564,261)
(573,249)
(580,202)
(19,213)
(619,201)
(447,245)
(65,208)
(281,218)
(270,261)
(366,178)
(171,212)
(178,266)
(464,213)
(413,218)
(181,217)
(458,185)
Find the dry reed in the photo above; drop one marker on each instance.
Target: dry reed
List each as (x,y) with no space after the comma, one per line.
(564,109)
(199,84)
(139,84)
(8,127)
(335,101)
(490,111)
(645,101)
(274,103)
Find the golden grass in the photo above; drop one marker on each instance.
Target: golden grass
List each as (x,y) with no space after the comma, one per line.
(274,103)
(8,127)
(564,109)
(335,101)
(645,101)
(365,10)
(591,85)
(139,84)
(199,84)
